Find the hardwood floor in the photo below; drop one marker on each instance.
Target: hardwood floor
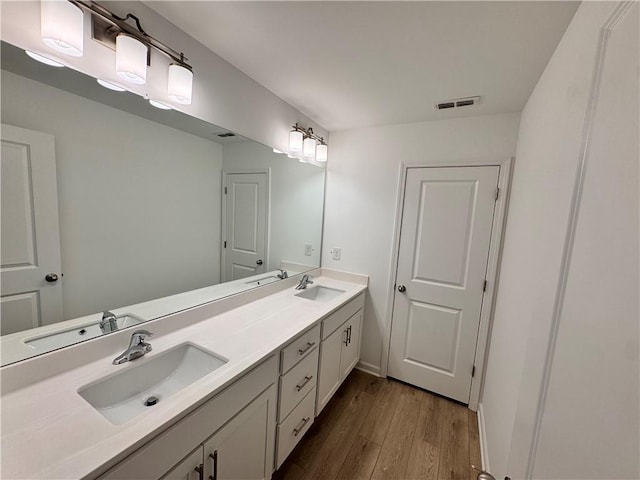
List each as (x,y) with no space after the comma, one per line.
(376,428)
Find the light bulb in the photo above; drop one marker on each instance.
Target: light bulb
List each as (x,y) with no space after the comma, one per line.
(309,150)
(321,152)
(131,59)
(180,84)
(295,142)
(43,59)
(62,26)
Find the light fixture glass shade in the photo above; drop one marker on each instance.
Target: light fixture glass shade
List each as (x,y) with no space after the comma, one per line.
(131,59)
(309,150)
(295,142)
(180,84)
(321,153)
(62,26)
(43,59)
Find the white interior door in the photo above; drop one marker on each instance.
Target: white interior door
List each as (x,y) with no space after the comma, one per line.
(30,238)
(444,246)
(246,220)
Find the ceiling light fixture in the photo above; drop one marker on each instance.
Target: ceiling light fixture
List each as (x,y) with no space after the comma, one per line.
(43,59)
(62,26)
(304,141)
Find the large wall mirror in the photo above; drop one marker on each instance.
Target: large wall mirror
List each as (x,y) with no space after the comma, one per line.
(111,205)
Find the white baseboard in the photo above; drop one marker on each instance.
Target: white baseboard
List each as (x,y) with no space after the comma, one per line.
(369,368)
(484,455)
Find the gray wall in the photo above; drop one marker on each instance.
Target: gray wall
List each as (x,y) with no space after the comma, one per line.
(125,184)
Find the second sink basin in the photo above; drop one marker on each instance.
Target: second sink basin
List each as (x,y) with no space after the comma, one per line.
(125,395)
(319,293)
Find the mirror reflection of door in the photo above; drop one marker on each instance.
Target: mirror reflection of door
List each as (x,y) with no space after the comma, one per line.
(30,238)
(245,224)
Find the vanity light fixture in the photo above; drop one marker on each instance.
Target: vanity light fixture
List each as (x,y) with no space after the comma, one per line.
(311,146)
(62,26)
(111,86)
(133,47)
(131,59)
(43,59)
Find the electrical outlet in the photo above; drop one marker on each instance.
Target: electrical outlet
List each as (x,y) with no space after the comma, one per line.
(308,249)
(335,253)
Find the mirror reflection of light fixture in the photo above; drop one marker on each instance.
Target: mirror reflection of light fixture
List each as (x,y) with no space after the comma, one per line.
(160,105)
(321,152)
(62,26)
(295,141)
(111,86)
(43,59)
(131,59)
(180,84)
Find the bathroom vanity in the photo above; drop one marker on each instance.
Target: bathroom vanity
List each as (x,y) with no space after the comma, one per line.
(271,359)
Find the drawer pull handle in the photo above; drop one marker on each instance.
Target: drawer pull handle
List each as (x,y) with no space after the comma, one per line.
(298,429)
(346,336)
(304,350)
(349,334)
(214,456)
(306,380)
(200,470)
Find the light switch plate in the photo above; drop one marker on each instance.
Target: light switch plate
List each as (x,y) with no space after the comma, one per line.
(308,249)
(335,253)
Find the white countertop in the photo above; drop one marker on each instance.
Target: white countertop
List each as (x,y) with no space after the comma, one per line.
(50,432)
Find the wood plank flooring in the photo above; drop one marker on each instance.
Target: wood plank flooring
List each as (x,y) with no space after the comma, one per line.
(376,428)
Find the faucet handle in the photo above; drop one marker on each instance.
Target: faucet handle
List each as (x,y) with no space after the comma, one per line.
(139,336)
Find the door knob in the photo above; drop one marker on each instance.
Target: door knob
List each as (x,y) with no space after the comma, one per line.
(259,262)
(402,288)
(51,277)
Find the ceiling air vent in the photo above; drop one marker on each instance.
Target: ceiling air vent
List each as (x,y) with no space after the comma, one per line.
(225,135)
(457,103)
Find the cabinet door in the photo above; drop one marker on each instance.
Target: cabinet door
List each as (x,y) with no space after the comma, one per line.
(329,373)
(188,469)
(244,448)
(351,348)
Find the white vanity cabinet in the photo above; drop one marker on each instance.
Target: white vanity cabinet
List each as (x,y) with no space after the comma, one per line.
(297,399)
(234,432)
(339,349)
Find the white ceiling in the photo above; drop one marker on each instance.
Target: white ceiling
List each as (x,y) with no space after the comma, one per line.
(353,64)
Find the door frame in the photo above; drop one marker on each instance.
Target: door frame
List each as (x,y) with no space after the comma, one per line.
(493,262)
(223,215)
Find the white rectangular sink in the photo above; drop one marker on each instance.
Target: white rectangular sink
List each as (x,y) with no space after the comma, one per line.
(123,396)
(319,293)
(59,339)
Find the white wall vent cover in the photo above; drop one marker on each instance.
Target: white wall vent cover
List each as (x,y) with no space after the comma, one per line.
(457,103)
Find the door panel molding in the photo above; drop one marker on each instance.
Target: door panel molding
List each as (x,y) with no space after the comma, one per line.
(493,262)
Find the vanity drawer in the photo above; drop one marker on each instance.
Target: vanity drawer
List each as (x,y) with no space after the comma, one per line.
(293,428)
(337,318)
(299,381)
(299,348)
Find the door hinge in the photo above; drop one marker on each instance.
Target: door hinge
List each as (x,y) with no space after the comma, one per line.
(225,244)
(484,286)
(497,192)
(225,190)
(473,371)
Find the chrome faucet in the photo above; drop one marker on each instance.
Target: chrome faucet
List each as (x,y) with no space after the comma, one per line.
(304,281)
(283,274)
(109,322)
(137,347)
